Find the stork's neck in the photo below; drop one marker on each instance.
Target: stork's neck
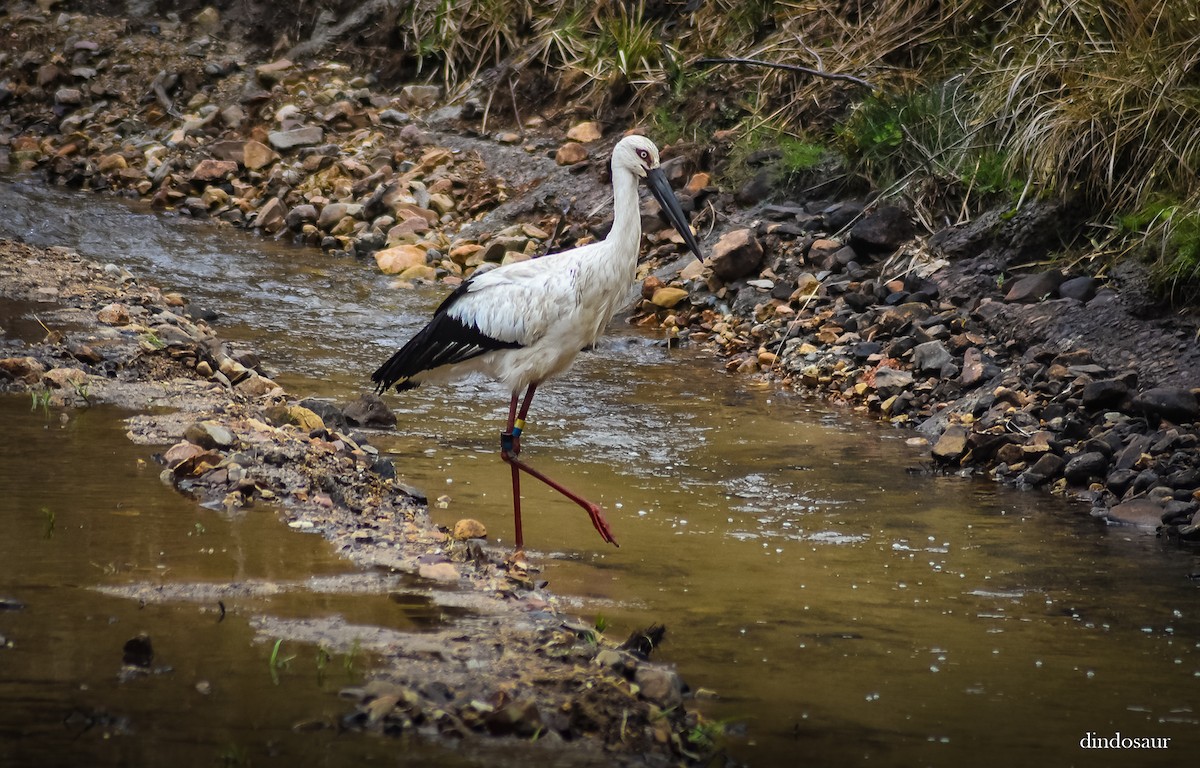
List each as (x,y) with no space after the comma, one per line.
(626,231)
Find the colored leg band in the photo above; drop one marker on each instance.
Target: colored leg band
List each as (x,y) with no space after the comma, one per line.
(518,425)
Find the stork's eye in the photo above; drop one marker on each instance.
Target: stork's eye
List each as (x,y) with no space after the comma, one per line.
(643,154)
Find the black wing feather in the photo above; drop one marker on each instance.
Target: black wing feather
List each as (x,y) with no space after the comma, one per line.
(444,341)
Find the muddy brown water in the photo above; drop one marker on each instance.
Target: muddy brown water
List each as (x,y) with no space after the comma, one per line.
(822,592)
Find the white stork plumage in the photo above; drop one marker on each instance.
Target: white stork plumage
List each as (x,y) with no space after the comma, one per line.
(524,322)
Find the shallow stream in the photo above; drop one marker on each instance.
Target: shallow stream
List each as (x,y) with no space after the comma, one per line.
(822,590)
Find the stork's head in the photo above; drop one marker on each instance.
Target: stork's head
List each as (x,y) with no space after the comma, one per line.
(635,153)
(639,156)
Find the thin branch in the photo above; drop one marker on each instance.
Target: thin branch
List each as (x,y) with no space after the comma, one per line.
(790,68)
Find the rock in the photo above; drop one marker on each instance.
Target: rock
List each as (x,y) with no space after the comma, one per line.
(892,381)
(64,378)
(272,72)
(332,213)
(256,155)
(398,258)
(1141,513)
(307,136)
(659,686)
(585,132)
(1045,469)
(973,368)
(468,528)
(438,571)
(272,217)
(369,410)
(1034,288)
(331,416)
(519,717)
(419,96)
(27,370)
(138,652)
(952,445)
(114,314)
(570,153)
(931,356)
(738,253)
(1079,288)
(255,385)
(210,170)
(1104,394)
(305,213)
(209,434)
(667,297)
(1085,467)
(71,97)
(884,229)
(298,416)
(1175,404)
(208,20)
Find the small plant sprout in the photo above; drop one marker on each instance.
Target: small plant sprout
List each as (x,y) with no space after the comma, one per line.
(323,659)
(601,623)
(277,662)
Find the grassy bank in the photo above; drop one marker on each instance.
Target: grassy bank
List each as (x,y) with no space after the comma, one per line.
(954,106)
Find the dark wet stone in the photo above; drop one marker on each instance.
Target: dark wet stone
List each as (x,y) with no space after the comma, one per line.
(369,410)
(1145,480)
(1133,451)
(1175,511)
(138,652)
(10,604)
(1085,466)
(1175,404)
(884,229)
(1188,478)
(1119,480)
(1079,288)
(1045,469)
(1106,393)
(1142,513)
(931,356)
(1034,288)
(330,414)
(864,349)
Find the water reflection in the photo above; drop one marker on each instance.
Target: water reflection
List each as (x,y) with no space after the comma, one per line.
(839,599)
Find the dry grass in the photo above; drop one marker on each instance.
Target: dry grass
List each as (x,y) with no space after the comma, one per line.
(973,101)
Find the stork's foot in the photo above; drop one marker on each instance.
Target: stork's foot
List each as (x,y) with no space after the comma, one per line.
(597,514)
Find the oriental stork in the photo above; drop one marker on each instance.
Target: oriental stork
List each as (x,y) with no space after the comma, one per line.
(524,322)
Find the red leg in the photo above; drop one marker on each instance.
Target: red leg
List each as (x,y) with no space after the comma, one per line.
(510,447)
(510,442)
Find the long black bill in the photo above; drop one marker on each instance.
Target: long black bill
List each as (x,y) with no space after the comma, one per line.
(661,189)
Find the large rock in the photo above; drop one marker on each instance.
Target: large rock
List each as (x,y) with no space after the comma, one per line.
(210,170)
(394,260)
(1034,288)
(884,229)
(736,255)
(1141,513)
(570,153)
(256,155)
(952,445)
(369,410)
(308,136)
(1085,467)
(1176,404)
(931,356)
